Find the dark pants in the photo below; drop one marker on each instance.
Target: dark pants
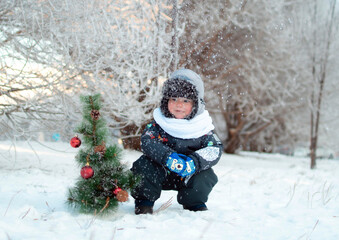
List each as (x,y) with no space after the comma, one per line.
(155,178)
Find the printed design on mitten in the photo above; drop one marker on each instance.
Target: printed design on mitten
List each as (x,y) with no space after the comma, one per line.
(176,166)
(190,168)
(175,163)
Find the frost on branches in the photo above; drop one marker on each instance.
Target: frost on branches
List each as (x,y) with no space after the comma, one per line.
(104,180)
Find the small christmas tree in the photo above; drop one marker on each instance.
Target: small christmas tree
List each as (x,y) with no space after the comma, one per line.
(104,180)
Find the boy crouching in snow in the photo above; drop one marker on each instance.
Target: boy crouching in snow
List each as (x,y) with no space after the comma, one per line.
(179,147)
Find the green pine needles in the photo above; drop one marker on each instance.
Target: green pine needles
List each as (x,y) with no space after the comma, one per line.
(98,194)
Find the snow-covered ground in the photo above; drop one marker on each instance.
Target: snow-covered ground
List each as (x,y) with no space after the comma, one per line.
(259,196)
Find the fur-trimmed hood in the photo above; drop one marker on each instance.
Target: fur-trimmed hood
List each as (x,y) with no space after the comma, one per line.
(184,83)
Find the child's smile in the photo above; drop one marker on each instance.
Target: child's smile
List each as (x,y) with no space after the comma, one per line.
(180,107)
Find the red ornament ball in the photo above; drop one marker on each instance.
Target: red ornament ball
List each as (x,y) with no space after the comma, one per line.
(75,142)
(117,190)
(87,172)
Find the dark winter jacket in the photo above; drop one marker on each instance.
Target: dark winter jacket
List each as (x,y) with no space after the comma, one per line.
(157,145)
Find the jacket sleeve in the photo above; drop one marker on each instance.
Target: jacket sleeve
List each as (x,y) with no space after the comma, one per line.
(210,153)
(152,146)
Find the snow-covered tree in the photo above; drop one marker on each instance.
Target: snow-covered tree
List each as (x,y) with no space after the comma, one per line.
(244,51)
(30,90)
(316,32)
(116,48)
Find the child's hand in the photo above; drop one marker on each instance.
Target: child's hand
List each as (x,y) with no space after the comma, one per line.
(181,164)
(176,164)
(190,166)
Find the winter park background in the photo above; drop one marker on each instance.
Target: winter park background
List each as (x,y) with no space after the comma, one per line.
(270,70)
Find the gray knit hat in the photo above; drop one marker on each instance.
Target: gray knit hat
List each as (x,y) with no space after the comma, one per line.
(184,83)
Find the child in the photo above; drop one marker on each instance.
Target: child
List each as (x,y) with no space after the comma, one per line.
(179,147)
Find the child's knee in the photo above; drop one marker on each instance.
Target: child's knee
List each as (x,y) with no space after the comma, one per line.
(212,177)
(198,188)
(205,179)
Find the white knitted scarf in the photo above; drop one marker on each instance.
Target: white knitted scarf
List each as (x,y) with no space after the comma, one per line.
(182,128)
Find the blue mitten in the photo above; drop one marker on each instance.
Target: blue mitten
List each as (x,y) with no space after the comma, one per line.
(190,166)
(175,163)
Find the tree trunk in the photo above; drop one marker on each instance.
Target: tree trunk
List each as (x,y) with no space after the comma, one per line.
(131,137)
(316,103)
(174,44)
(232,143)
(313,154)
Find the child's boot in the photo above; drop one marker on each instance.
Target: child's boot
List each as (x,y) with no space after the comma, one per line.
(143,207)
(200,207)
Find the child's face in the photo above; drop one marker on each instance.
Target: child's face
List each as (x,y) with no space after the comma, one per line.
(180,107)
